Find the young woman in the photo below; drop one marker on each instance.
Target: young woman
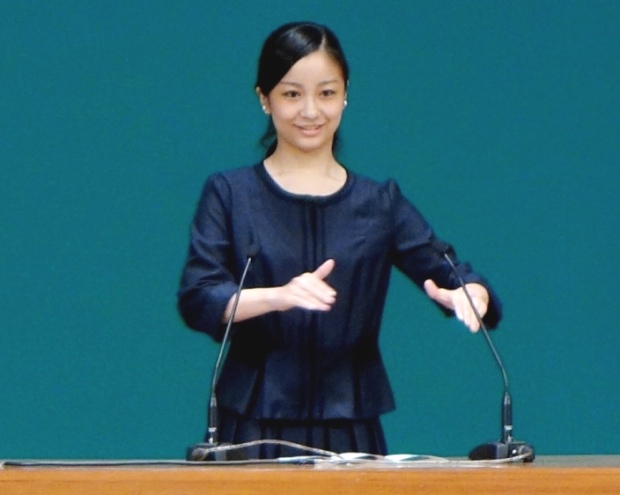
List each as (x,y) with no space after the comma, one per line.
(304,363)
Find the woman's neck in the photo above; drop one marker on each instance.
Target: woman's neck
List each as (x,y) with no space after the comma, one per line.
(315,174)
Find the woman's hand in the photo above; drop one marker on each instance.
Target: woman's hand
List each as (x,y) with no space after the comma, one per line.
(457,301)
(308,290)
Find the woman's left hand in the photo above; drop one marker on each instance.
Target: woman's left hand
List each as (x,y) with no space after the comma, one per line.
(457,301)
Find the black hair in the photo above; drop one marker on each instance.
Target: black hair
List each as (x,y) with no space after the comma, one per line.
(282,49)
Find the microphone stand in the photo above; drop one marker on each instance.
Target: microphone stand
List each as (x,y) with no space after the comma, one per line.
(507,447)
(206,451)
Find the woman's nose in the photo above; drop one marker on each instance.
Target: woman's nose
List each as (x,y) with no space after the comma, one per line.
(310,109)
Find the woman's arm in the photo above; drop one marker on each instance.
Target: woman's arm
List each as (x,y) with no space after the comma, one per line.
(308,291)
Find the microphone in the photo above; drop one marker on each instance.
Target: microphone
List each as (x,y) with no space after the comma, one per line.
(200,451)
(507,447)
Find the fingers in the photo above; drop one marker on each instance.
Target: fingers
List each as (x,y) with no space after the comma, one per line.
(480,300)
(458,301)
(310,291)
(465,313)
(325,269)
(432,290)
(441,296)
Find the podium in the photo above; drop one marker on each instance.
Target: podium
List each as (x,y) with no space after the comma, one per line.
(564,475)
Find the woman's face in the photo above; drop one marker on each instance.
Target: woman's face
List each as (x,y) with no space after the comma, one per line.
(307,104)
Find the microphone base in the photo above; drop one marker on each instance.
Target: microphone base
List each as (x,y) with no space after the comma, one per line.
(201,452)
(502,450)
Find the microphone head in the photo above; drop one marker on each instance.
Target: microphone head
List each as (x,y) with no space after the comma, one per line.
(253,250)
(440,247)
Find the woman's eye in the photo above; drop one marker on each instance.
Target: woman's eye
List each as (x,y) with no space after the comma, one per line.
(291,94)
(328,92)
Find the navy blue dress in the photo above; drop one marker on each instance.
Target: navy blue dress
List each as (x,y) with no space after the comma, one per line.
(303,366)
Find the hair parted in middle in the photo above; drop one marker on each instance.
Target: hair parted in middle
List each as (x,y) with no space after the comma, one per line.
(282,49)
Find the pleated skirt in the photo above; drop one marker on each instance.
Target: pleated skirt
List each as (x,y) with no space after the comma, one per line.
(333,435)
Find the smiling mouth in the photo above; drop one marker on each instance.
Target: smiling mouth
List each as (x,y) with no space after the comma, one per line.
(309,129)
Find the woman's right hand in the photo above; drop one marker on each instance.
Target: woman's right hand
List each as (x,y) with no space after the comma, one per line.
(308,290)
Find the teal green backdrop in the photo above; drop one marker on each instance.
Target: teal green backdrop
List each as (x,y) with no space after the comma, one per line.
(500,119)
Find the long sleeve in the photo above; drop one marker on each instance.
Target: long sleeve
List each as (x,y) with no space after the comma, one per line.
(207,283)
(416,256)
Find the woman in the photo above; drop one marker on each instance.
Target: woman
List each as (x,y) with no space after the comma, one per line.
(304,363)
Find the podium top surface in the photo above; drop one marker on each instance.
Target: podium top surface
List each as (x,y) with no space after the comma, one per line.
(566,475)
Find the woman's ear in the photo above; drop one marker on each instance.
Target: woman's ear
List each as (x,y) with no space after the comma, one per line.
(264,101)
